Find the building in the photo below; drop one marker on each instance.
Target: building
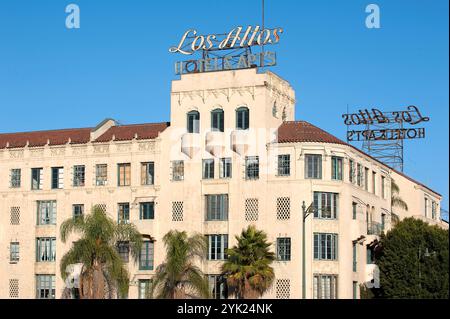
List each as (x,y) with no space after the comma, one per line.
(232,155)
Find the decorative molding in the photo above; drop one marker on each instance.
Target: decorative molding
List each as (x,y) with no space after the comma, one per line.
(124,147)
(59,151)
(79,150)
(101,149)
(16,154)
(147,146)
(37,152)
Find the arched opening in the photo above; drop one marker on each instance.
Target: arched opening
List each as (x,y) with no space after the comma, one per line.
(193,122)
(242,118)
(217,120)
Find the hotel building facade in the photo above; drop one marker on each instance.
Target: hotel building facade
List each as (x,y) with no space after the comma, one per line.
(231,156)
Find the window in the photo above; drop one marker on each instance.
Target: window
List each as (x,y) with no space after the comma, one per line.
(147,211)
(208,169)
(359,176)
(326,205)
(101,174)
(354,210)
(14,252)
(146,257)
(144,288)
(433,210)
(79,175)
(313,166)
(57,177)
(252,167)
(46,212)
(216,207)
(217,244)
(16,177)
(77,210)
(336,168)
(325,246)
(351,172)
(383,187)
(325,287)
(123,249)
(383,221)
(193,122)
(370,256)
(148,173)
(45,286)
(242,118)
(45,249)
(217,120)
(366,179)
(355,290)
(283,249)
(374,182)
(355,265)
(426,207)
(124,174)
(225,168)
(178,170)
(124,213)
(36,178)
(284,165)
(218,286)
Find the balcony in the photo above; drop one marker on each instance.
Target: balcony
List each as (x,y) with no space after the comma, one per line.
(190,144)
(240,141)
(374,228)
(215,143)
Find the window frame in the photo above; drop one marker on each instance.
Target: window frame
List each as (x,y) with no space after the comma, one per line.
(79,176)
(331,200)
(337,168)
(101,174)
(252,170)
(147,173)
(226,168)
(123,210)
(45,246)
(329,252)
(284,165)
(143,214)
(217,247)
(148,247)
(178,168)
(14,252)
(124,174)
(193,122)
(313,162)
(44,283)
(77,210)
(284,248)
(218,115)
(242,118)
(16,178)
(208,168)
(57,177)
(318,285)
(216,207)
(51,209)
(36,179)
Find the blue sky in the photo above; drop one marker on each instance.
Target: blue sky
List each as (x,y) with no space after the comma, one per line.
(118,65)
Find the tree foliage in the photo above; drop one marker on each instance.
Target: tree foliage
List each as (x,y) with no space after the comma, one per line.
(413,261)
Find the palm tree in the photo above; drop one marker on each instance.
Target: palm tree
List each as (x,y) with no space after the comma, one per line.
(247,268)
(178,277)
(103,273)
(396,201)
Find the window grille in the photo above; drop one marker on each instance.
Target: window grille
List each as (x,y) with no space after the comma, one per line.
(283,289)
(15,215)
(283,208)
(177,211)
(14,288)
(251,209)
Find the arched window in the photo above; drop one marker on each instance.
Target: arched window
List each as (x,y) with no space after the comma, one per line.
(242,118)
(193,122)
(217,120)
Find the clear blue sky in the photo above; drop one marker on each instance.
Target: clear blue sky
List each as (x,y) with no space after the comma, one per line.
(117,65)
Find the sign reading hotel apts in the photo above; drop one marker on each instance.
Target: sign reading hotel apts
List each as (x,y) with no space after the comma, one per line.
(374,117)
(230,51)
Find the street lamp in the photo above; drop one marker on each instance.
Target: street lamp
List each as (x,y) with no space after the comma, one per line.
(426,254)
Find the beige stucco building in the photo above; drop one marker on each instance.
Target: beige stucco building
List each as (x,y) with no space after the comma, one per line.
(232,155)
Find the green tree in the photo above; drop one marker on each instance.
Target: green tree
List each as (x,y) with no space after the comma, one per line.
(413,261)
(103,273)
(247,268)
(178,277)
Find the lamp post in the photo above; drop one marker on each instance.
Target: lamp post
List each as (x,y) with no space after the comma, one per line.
(427,254)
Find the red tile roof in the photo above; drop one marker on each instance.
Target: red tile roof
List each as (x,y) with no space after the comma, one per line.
(128,132)
(301,131)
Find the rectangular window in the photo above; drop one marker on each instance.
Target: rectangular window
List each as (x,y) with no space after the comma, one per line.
(124,174)
(359,175)
(383,187)
(77,210)
(45,249)
(218,287)
(326,205)
(208,169)
(101,174)
(283,249)
(217,121)
(426,207)
(79,175)
(146,257)
(351,172)
(336,168)
(144,288)
(46,212)
(178,170)
(355,290)
(383,222)
(45,286)
(57,177)
(252,167)
(325,246)
(374,182)
(147,211)
(325,287)
(216,207)
(284,165)
(313,166)
(225,168)
(124,213)
(366,179)
(16,178)
(370,256)
(217,245)
(355,265)
(36,178)
(148,173)
(123,249)
(433,210)
(354,210)
(14,252)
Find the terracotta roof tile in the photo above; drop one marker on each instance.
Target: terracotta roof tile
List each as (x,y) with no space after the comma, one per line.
(127,132)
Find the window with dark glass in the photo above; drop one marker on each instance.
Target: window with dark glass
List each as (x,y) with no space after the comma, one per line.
(313,166)
(216,207)
(79,175)
(147,173)
(146,256)
(325,246)
(370,256)
(218,286)
(366,179)
(208,169)
(57,177)
(354,210)
(217,120)
(326,205)
(124,213)
(124,174)
(16,177)
(217,245)
(284,165)
(252,167)
(36,178)
(225,168)
(242,118)
(193,122)
(147,210)
(336,168)
(77,210)
(354,249)
(123,249)
(283,249)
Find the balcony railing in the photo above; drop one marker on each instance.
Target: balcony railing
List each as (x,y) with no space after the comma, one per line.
(374,228)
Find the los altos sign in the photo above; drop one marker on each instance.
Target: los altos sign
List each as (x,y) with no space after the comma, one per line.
(370,118)
(228,51)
